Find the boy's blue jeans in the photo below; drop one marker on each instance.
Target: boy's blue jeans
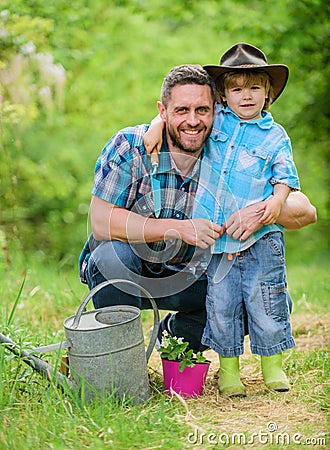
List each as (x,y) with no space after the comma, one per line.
(255,282)
(176,291)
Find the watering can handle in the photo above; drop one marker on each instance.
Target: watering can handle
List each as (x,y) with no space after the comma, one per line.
(100,286)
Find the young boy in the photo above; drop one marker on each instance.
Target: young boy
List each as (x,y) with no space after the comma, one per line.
(248,158)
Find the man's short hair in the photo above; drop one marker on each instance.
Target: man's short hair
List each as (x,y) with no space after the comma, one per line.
(186,74)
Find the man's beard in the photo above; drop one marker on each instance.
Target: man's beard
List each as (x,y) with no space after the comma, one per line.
(178,144)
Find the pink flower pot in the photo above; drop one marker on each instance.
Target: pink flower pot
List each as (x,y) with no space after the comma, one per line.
(188,383)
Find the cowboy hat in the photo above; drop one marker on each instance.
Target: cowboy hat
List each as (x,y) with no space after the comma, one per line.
(245,56)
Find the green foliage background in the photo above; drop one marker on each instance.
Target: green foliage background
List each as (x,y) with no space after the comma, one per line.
(115,54)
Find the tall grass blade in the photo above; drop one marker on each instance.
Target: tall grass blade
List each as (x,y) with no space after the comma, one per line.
(11,316)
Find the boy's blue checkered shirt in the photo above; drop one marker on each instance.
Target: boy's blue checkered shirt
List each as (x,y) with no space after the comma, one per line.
(242,161)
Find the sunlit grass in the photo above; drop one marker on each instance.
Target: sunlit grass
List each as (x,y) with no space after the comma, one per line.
(37,298)
(309,285)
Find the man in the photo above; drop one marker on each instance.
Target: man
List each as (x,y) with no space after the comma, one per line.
(165,254)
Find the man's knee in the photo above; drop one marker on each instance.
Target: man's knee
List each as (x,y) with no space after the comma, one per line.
(113,259)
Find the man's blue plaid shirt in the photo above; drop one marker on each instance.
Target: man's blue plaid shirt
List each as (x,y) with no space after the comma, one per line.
(122,177)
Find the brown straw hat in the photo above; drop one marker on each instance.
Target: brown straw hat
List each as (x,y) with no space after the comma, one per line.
(245,56)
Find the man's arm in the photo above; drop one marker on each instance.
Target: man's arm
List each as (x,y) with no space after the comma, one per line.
(297,212)
(110,222)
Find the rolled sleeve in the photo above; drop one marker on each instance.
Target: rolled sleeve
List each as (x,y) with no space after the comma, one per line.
(284,169)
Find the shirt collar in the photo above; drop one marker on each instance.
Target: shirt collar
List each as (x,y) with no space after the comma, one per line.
(167,163)
(265,122)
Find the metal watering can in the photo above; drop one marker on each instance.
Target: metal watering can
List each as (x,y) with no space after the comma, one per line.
(105,349)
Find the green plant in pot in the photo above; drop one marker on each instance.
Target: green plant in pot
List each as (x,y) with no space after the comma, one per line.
(184,370)
(175,349)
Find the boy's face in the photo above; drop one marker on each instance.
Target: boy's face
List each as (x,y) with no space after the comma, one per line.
(246,101)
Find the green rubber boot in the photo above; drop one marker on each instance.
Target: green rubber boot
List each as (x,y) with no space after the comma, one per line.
(274,377)
(229,377)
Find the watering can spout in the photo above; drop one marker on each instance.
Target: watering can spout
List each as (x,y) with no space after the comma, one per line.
(52,347)
(37,364)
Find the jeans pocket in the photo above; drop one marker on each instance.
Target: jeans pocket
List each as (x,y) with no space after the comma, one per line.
(274,297)
(275,242)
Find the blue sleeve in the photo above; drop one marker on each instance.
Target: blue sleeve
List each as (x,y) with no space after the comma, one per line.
(284,170)
(115,171)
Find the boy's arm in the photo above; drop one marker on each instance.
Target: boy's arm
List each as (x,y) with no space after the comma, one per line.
(274,204)
(297,212)
(153,138)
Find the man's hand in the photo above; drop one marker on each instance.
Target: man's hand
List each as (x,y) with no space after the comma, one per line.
(198,232)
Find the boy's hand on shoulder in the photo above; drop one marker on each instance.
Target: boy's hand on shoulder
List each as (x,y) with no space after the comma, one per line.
(152,139)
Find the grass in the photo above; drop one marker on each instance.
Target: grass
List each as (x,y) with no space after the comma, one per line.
(36,298)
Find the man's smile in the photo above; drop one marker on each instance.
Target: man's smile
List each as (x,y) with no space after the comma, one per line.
(190,132)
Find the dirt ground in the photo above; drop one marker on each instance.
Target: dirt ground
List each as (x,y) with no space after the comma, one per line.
(282,416)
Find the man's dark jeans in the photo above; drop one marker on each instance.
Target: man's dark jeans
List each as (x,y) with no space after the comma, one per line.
(174,291)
